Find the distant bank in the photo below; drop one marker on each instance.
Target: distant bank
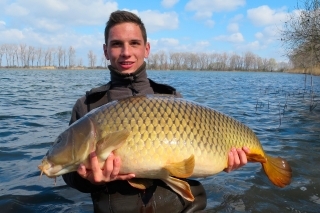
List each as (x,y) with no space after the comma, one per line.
(313,71)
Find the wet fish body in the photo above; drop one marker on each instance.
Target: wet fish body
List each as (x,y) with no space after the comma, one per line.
(159,137)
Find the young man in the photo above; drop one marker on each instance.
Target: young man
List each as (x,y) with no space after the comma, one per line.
(126,47)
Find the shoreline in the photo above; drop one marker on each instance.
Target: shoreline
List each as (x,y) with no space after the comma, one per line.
(316,71)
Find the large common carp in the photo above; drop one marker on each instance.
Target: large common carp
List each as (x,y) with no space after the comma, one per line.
(159,137)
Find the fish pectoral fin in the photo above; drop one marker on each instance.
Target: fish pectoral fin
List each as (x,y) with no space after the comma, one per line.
(180,187)
(252,157)
(181,169)
(140,183)
(111,142)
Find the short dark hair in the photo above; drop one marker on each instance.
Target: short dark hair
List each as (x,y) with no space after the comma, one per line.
(121,16)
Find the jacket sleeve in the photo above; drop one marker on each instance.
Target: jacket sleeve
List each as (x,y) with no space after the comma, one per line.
(73,179)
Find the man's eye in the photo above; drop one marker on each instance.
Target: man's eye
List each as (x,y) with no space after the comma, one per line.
(116,44)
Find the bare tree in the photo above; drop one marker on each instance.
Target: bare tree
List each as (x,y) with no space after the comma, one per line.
(2,52)
(71,56)
(104,61)
(39,56)
(92,59)
(80,62)
(30,56)
(23,50)
(249,61)
(163,61)
(60,55)
(301,33)
(153,61)
(8,53)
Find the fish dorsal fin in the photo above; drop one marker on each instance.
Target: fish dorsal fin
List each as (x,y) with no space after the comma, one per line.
(252,157)
(140,183)
(181,169)
(180,187)
(111,142)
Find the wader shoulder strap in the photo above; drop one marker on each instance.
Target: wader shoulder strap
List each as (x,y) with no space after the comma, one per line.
(97,96)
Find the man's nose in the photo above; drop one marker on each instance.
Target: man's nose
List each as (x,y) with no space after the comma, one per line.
(126,50)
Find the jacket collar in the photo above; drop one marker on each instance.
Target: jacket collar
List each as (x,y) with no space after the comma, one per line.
(139,75)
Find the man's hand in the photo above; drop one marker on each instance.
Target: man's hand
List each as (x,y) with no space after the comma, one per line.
(237,158)
(109,172)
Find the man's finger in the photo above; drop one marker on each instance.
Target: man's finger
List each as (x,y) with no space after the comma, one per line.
(96,170)
(125,177)
(243,157)
(82,171)
(236,154)
(230,162)
(116,167)
(108,166)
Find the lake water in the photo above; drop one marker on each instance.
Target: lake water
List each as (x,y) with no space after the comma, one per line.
(35,107)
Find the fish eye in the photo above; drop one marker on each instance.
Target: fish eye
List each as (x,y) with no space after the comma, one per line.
(58,140)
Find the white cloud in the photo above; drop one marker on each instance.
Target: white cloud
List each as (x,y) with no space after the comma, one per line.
(252,46)
(237,18)
(11,36)
(205,8)
(71,12)
(15,9)
(175,45)
(202,44)
(233,38)
(259,35)
(233,27)
(165,42)
(156,21)
(2,23)
(210,23)
(169,3)
(167,45)
(264,15)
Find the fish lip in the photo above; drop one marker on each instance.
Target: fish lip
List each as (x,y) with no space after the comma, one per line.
(45,166)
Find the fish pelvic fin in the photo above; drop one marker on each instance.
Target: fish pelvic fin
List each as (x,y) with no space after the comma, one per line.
(181,187)
(140,183)
(181,169)
(111,142)
(278,171)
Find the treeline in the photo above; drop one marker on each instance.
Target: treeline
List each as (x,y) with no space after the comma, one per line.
(213,61)
(24,56)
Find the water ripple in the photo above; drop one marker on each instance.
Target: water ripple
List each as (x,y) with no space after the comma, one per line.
(275,105)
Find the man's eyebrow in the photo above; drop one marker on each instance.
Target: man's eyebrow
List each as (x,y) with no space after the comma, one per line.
(132,40)
(136,40)
(115,40)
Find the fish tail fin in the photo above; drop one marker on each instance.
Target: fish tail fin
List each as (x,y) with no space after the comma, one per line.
(278,171)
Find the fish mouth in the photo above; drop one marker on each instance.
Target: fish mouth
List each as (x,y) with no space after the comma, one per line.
(52,170)
(44,167)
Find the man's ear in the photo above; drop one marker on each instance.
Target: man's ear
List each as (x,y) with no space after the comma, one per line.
(105,51)
(147,50)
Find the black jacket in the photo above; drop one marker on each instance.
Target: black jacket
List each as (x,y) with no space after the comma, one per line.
(119,196)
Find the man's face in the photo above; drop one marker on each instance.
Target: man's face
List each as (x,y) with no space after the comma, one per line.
(126,49)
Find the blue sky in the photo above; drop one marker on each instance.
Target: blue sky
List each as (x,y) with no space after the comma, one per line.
(231,26)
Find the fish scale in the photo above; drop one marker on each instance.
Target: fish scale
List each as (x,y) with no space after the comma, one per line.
(183,121)
(159,137)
